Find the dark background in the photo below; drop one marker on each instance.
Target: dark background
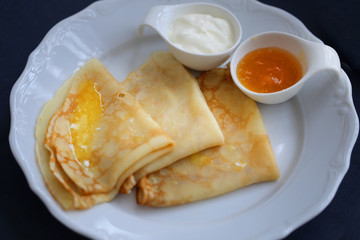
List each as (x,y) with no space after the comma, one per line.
(23,24)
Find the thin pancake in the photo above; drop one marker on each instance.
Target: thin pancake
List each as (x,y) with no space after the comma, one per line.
(171,95)
(97,135)
(245,158)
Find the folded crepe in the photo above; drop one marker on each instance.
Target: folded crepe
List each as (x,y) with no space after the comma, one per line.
(92,136)
(171,95)
(245,158)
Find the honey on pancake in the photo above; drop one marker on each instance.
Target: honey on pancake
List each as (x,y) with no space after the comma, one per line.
(84,118)
(267,70)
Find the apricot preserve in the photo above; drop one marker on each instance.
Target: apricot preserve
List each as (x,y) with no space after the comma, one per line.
(267,70)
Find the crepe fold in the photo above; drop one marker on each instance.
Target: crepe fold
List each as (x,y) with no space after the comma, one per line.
(92,136)
(171,95)
(245,158)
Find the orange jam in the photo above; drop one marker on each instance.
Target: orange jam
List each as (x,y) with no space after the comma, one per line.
(267,70)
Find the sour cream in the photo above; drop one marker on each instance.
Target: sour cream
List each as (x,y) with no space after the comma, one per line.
(202,33)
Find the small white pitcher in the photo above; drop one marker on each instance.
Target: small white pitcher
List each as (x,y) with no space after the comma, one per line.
(161,18)
(313,57)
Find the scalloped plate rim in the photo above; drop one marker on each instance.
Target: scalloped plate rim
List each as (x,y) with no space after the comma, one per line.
(279,233)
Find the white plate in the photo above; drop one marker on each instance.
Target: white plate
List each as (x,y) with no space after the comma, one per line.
(312,134)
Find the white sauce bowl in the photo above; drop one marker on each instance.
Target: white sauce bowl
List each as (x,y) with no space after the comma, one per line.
(161,18)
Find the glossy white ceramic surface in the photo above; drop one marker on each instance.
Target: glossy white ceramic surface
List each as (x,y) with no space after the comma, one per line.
(161,18)
(312,134)
(314,57)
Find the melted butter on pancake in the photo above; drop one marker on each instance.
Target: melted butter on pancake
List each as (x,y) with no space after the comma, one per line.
(200,160)
(84,120)
(92,136)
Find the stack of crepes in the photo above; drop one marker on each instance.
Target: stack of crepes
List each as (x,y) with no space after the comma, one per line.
(177,138)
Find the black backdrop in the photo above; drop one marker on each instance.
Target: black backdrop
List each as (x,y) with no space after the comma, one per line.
(23,24)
